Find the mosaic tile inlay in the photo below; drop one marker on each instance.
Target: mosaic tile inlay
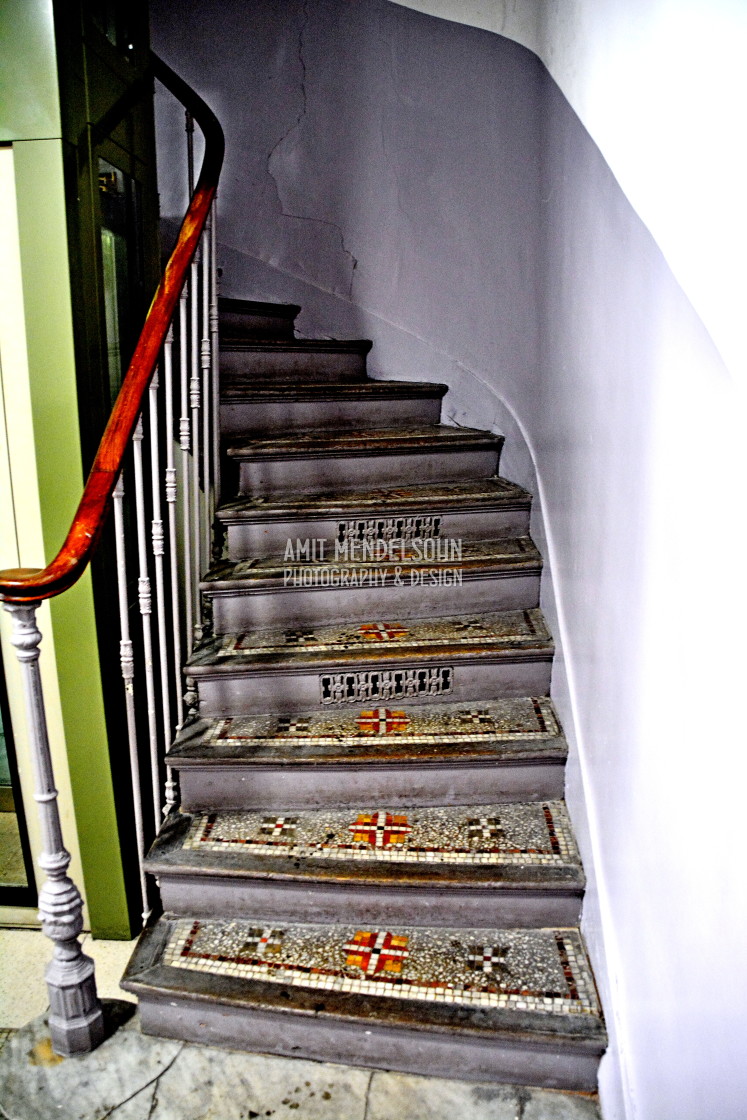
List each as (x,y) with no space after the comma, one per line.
(507,628)
(521,718)
(534,834)
(536,970)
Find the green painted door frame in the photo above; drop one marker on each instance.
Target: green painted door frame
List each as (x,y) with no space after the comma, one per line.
(64,70)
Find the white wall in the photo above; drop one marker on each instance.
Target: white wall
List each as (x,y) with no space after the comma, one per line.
(661,87)
(428,185)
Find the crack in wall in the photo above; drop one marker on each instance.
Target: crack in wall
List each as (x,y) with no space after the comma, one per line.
(293,128)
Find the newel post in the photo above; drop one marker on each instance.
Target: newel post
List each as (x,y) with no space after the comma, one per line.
(76,1022)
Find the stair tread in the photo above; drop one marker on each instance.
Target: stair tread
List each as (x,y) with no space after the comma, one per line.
(303,442)
(531,985)
(483,493)
(521,844)
(504,633)
(257,307)
(266,389)
(297,345)
(493,731)
(474,559)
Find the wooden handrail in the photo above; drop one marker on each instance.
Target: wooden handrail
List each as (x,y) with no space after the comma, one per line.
(19,585)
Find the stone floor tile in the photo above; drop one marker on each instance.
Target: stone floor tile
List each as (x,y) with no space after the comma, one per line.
(548,1104)
(402,1096)
(36,1084)
(206,1082)
(111,959)
(23,991)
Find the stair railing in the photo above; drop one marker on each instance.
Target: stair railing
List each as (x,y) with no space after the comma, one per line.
(170,560)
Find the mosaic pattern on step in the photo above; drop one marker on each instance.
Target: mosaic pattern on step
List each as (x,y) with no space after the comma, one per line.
(413,552)
(509,629)
(529,834)
(531,718)
(543,971)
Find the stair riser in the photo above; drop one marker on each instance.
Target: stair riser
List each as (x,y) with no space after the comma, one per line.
(246,538)
(262,416)
(254,327)
(239,612)
(198,896)
(372,1044)
(305,475)
(288,365)
(286,788)
(282,691)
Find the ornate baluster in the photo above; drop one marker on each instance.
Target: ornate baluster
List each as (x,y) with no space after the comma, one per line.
(76,1022)
(128,678)
(157,542)
(207,516)
(215,383)
(184,444)
(195,403)
(171,492)
(144,601)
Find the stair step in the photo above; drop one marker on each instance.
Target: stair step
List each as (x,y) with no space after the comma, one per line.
(310,459)
(485,864)
(252,319)
(276,405)
(500,1004)
(404,580)
(504,654)
(472,510)
(437,754)
(318,359)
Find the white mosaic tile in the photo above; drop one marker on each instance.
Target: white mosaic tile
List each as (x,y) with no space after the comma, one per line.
(541,971)
(536,834)
(530,718)
(507,628)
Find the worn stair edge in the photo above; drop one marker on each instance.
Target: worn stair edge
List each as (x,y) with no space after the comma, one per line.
(507,636)
(235,880)
(478,1044)
(230,763)
(442,498)
(304,346)
(511,556)
(502,575)
(263,391)
(371,443)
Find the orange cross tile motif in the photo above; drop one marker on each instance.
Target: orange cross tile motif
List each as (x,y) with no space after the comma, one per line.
(382,721)
(381,829)
(376,952)
(382,631)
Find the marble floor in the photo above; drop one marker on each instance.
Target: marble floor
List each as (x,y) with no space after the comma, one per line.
(135,1077)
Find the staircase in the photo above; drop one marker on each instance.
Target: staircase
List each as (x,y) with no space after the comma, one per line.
(373,862)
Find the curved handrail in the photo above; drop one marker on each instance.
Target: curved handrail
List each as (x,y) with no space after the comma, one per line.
(18,585)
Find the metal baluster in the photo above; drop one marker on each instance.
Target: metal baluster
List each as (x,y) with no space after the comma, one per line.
(128,673)
(206,397)
(214,353)
(157,542)
(144,601)
(194,404)
(189,126)
(76,1022)
(171,491)
(184,444)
